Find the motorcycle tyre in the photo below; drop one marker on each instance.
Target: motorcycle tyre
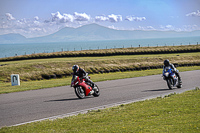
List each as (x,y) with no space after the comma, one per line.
(179,85)
(169,84)
(96,93)
(78,92)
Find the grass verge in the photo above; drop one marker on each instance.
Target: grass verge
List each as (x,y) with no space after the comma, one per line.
(172,113)
(33,85)
(40,69)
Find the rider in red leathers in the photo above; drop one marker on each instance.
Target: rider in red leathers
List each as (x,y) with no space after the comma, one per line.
(81,73)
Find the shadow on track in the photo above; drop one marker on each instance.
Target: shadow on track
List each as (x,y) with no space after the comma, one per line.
(157,90)
(70,99)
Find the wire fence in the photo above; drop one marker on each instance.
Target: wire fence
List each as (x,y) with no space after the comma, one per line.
(28,49)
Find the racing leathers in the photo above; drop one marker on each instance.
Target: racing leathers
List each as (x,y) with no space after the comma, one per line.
(82,74)
(174,70)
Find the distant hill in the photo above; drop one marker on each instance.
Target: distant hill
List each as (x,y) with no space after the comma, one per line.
(12,38)
(94,32)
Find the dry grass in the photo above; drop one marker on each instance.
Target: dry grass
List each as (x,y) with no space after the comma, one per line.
(39,69)
(109,52)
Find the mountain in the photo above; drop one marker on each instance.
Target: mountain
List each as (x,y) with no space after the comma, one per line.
(97,32)
(12,38)
(94,32)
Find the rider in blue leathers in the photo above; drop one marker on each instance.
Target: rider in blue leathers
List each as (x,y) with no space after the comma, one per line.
(167,64)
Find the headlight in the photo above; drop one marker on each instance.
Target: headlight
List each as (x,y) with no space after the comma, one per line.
(166,74)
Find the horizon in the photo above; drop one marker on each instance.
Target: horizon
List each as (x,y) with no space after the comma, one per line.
(107,28)
(30,19)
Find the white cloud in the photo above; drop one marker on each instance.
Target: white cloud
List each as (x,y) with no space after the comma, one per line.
(69,18)
(114,18)
(190,27)
(81,17)
(167,27)
(111,18)
(9,16)
(113,27)
(36,18)
(56,16)
(179,29)
(132,18)
(194,14)
(101,18)
(150,28)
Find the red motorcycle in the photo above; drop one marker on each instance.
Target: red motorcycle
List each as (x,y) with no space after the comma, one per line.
(83,88)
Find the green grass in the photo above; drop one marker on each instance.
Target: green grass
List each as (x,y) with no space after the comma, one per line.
(172,113)
(32,85)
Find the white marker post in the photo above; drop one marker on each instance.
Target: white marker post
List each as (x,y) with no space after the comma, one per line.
(15,79)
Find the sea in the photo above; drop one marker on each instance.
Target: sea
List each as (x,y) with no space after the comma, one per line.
(10,50)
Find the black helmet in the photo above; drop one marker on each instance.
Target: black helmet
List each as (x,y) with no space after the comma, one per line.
(75,68)
(166,62)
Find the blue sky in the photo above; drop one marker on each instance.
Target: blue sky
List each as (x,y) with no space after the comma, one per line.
(33,18)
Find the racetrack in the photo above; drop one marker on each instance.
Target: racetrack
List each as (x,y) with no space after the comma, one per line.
(20,107)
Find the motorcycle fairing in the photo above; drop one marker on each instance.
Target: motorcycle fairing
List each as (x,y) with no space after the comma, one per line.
(87,87)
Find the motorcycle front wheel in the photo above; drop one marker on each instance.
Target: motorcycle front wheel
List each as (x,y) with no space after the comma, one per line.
(179,84)
(96,91)
(170,83)
(80,93)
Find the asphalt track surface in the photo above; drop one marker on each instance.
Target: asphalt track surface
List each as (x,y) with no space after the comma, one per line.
(29,106)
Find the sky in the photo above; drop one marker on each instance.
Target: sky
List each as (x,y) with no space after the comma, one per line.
(34,18)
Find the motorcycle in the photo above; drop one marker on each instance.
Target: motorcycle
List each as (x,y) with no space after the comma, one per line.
(171,78)
(83,88)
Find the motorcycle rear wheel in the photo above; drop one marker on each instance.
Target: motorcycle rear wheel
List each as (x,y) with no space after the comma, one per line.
(80,93)
(170,83)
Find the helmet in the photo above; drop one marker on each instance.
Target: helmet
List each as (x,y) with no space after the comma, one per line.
(75,68)
(166,62)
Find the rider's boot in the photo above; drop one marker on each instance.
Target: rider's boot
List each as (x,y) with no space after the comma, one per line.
(91,92)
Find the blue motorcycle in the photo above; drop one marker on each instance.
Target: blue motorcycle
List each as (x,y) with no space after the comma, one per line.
(171,78)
